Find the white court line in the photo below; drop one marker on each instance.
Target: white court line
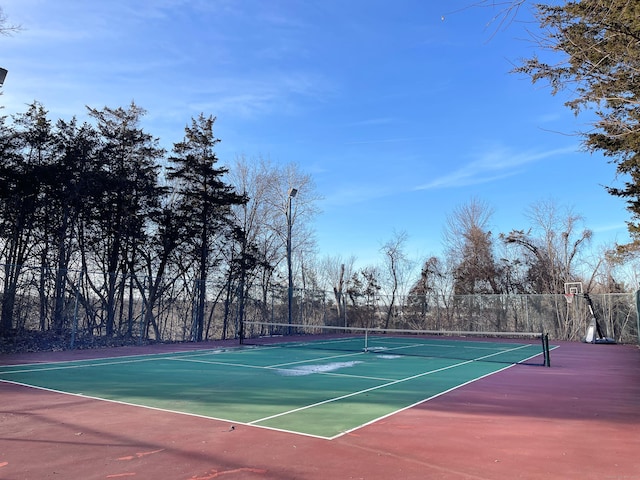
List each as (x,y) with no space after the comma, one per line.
(74,366)
(254,423)
(490,346)
(501,352)
(277,367)
(97,362)
(377,387)
(394,382)
(115,360)
(319,359)
(122,402)
(381,350)
(439,394)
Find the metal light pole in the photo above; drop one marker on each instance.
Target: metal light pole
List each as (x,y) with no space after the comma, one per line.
(292,194)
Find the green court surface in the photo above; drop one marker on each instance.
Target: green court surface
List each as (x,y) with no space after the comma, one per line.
(308,391)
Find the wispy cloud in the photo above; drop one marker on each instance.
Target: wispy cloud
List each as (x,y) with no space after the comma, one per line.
(493,165)
(355,194)
(253,97)
(611,227)
(385,140)
(376,121)
(246,105)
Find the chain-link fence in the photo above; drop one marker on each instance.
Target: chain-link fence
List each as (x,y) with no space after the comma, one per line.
(80,305)
(552,314)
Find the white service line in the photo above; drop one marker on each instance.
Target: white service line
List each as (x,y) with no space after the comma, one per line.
(276,367)
(329,400)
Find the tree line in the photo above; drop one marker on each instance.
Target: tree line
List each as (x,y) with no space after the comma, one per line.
(97,213)
(102,206)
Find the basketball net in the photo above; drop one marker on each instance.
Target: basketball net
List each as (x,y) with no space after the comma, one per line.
(569,298)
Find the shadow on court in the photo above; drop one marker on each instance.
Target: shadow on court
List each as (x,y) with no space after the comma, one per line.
(577,419)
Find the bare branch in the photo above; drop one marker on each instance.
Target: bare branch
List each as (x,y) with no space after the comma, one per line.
(5,28)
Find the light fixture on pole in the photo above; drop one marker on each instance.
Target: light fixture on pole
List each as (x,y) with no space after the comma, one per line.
(292,193)
(3,75)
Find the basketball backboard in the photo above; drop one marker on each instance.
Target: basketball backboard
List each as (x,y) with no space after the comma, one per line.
(573,288)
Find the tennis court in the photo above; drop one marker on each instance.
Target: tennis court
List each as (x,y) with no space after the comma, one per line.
(322,388)
(577,419)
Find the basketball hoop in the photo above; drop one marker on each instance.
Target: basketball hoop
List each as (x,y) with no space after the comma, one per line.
(571,289)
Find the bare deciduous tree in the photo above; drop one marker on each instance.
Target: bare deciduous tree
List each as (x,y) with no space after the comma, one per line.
(551,246)
(338,272)
(470,248)
(397,266)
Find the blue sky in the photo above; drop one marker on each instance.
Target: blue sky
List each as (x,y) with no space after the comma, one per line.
(401,111)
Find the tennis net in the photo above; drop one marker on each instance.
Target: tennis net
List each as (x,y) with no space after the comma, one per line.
(503,347)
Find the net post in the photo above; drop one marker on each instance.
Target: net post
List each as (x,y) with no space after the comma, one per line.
(366,339)
(547,351)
